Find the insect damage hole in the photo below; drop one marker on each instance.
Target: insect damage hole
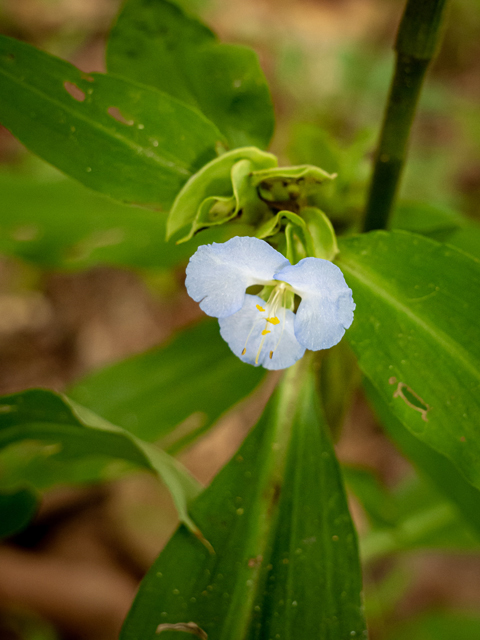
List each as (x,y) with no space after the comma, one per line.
(186,627)
(116,114)
(74,91)
(411,399)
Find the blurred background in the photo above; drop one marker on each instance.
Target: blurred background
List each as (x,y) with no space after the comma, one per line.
(84,283)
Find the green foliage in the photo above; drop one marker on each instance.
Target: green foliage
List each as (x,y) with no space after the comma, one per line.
(66,429)
(278,521)
(343,197)
(439,223)
(195,378)
(444,475)
(337,380)
(59,223)
(181,124)
(157,44)
(414,334)
(438,625)
(127,141)
(16,510)
(410,517)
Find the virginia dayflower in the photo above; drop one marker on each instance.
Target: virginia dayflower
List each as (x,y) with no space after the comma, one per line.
(266,331)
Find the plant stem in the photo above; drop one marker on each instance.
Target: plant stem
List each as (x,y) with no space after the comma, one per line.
(417,41)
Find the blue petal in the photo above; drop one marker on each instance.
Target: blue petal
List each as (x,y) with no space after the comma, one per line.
(218,274)
(327,306)
(236,328)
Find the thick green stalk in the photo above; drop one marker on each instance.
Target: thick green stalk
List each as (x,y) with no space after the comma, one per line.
(417,41)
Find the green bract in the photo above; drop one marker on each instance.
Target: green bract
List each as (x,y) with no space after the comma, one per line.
(246,184)
(217,192)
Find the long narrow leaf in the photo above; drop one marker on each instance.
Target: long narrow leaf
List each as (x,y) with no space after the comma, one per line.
(286,559)
(54,421)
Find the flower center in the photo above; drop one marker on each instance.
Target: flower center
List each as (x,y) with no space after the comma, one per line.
(274,307)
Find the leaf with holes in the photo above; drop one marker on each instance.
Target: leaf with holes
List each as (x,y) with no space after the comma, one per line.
(286,558)
(158,44)
(437,467)
(415,335)
(194,378)
(128,141)
(61,426)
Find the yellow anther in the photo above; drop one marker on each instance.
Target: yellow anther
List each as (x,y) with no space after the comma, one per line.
(244,352)
(265,331)
(271,355)
(273,320)
(260,308)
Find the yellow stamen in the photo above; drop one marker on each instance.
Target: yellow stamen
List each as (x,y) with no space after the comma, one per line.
(284,296)
(274,303)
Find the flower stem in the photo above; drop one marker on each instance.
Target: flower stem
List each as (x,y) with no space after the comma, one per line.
(417,41)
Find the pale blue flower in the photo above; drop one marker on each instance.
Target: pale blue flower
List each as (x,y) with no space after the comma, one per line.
(268,332)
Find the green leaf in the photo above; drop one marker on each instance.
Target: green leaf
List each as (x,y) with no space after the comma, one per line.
(378,502)
(425,520)
(412,515)
(157,44)
(312,145)
(195,378)
(216,181)
(59,223)
(127,141)
(16,510)
(29,463)
(285,558)
(439,223)
(415,337)
(437,467)
(343,198)
(337,380)
(62,426)
(438,625)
